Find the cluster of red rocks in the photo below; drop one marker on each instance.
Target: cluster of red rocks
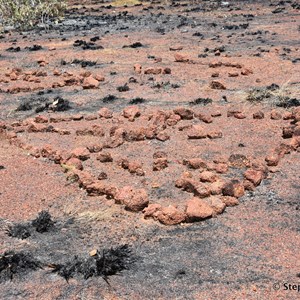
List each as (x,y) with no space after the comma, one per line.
(220,86)
(151,70)
(210,193)
(244,71)
(196,209)
(290,133)
(85,79)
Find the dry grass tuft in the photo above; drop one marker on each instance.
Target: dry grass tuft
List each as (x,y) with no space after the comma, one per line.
(119,3)
(282,96)
(98,215)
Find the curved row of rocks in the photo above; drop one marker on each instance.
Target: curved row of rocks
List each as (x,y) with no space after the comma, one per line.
(206,201)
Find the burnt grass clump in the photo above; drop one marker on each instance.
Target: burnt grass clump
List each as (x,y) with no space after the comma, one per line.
(258,95)
(109,98)
(273,94)
(84,63)
(86,45)
(109,262)
(29,104)
(201,101)
(13,49)
(57,104)
(137,100)
(95,38)
(288,102)
(34,48)
(43,222)
(134,45)
(123,88)
(40,104)
(20,231)
(16,263)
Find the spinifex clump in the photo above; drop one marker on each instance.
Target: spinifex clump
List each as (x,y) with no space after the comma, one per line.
(20,231)
(43,222)
(14,263)
(109,262)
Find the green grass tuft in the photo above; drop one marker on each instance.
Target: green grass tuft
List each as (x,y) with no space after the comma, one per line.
(25,14)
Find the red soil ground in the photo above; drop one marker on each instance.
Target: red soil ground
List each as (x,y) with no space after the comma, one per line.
(242,253)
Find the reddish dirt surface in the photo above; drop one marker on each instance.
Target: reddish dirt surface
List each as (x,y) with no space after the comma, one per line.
(168,106)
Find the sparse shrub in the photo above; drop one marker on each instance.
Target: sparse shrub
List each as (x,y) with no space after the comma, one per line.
(259,95)
(282,96)
(25,14)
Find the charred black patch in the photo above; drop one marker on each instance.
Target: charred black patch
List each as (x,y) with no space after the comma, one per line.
(43,222)
(123,88)
(102,176)
(24,106)
(84,63)
(175,85)
(95,38)
(87,45)
(109,98)
(16,263)
(201,101)
(165,85)
(134,45)
(160,30)
(34,48)
(288,102)
(40,104)
(2,167)
(40,93)
(295,5)
(20,231)
(79,43)
(272,87)
(137,100)
(41,108)
(132,80)
(57,104)
(112,261)
(236,27)
(33,102)
(278,10)
(13,49)
(72,267)
(198,34)
(109,262)
(180,274)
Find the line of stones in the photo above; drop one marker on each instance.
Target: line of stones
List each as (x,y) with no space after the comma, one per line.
(206,203)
